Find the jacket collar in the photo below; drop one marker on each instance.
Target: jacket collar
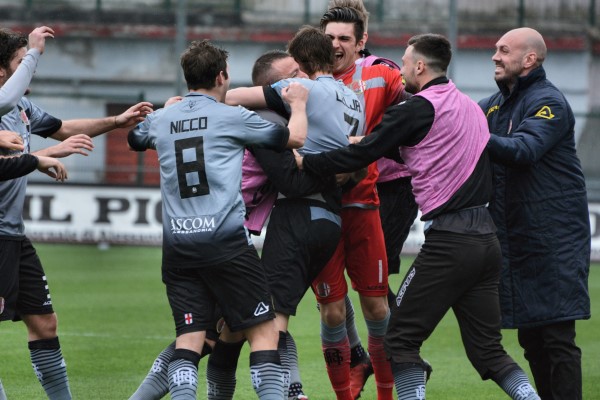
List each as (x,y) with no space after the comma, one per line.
(524,82)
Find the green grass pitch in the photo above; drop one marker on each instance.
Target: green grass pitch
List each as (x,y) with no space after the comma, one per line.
(114,319)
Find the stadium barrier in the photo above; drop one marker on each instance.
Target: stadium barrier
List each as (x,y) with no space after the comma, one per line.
(118,215)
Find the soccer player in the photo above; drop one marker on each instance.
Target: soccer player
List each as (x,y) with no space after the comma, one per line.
(304,227)
(268,69)
(441,135)
(10,94)
(362,248)
(208,257)
(24,293)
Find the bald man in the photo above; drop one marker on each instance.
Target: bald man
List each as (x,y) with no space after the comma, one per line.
(540,209)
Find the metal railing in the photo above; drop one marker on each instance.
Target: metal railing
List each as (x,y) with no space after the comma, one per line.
(396,15)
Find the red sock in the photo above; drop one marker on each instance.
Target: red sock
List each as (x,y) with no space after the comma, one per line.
(337,360)
(381,368)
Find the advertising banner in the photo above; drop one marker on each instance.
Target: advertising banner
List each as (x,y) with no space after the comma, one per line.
(132,216)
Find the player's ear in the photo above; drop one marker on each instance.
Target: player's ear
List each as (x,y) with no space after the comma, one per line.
(220,79)
(362,42)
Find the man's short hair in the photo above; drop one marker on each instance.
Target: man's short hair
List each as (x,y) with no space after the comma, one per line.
(262,74)
(312,50)
(10,42)
(202,62)
(435,48)
(347,15)
(358,5)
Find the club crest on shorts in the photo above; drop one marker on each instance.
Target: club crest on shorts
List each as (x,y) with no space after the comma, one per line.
(188,318)
(323,289)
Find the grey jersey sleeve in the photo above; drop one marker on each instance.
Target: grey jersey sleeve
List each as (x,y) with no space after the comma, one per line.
(139,138)
(42,123)
(260,132)
(15,87)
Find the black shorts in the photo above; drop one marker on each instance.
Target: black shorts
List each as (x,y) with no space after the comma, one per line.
(300,240)
(23,286)
(398,210)
(238,286)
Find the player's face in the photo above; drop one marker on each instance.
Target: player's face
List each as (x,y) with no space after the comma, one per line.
(508,58)
(287,68)
(14,64)
(409,72)
(345,46)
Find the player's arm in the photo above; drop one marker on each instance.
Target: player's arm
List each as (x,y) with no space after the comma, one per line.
(536,134)
(96,126)
(296,96)
(405,124)
(281,169)
(78,144)
(16,86)
(17,166)
(249,97)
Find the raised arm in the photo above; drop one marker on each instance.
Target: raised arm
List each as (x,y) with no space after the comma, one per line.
(249,97)
(296,96)
(16,86)
(97,126)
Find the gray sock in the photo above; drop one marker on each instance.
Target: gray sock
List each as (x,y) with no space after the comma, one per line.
(266,374)
(295,388)
(410,383)
(220,370)
(517,386)
(285,362)
(353,337)
(2,394)
(183,375)
(50,368)
(155,385)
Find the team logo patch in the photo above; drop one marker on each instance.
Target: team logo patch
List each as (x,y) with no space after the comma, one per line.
(188,318)
(420,392)
(261,309)
(1,305)
(323,289)
(491,110)
(545,112)
(358,86)
(333,356)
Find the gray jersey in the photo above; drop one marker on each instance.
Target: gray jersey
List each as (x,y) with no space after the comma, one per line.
(334,113)
(200,144)
(25,119)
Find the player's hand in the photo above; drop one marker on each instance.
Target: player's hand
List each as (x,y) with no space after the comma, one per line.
(11,141)
(342,179)
(78,144)
(299,159)
(173,100)
(52,167)
(359,175)
(295,94)
(133,115)
(37,37)
(355,139)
